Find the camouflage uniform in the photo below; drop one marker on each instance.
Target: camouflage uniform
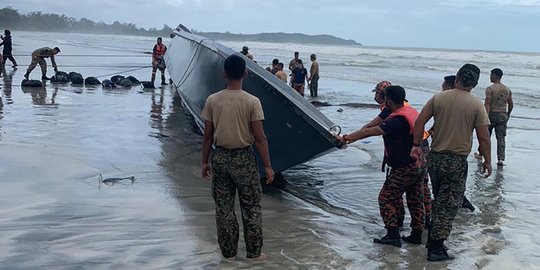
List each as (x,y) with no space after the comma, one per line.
(498,122)
(237,170)
(38,57)
(448,173)
(427,195)
(409,180)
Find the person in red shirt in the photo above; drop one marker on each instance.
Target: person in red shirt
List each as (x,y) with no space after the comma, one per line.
(157,60)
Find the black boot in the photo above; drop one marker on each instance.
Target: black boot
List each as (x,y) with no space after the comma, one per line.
(414,238)
(45,78)
(467,204)
(391,238)
(26,75)
(436,251)
(163,80)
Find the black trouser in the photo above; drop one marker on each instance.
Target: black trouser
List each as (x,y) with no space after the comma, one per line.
(10,57)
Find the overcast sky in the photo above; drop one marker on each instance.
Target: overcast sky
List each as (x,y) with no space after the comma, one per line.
(461,24)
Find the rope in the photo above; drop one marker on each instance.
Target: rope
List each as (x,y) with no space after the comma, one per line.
(99,66)
(119,72)
(144,54)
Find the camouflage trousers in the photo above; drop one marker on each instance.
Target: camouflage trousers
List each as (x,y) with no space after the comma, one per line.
(498,122)
(234,170)
(427,195)
(408,180)
(35,61)
(448,173)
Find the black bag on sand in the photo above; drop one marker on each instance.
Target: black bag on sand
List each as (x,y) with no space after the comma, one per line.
(148,84)
(91,81)
(59,78)
(108,84)
(133,80)
(76,78)
(62,73)
(31,83)
(116,79)
(126,83)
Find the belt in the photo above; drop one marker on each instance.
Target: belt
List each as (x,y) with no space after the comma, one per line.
(234,149)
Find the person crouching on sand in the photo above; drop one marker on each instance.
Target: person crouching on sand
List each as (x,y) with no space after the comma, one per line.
(38,57)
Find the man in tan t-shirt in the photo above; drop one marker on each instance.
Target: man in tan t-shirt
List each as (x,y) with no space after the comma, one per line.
(233,121)
(499,106)
(456,114)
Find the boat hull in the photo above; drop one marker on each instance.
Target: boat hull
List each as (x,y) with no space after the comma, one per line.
(296,131)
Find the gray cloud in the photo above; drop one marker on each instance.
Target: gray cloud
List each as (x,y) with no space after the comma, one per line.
(476,24)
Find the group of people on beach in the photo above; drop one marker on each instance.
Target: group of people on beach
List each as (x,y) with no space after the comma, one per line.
(38,57)
(456,114)
(299,74)
(233,123)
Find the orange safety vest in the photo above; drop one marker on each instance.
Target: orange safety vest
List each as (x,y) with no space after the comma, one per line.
(410,114)
(406,104)
(159,50)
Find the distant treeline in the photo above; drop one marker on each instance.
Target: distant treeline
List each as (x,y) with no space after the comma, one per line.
(281,37)
(38,21)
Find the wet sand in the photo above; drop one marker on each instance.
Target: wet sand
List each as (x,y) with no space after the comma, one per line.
(54,143)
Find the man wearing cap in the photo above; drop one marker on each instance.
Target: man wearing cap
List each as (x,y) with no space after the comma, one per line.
(406,175)
(379,91)
(38,57)
(245,51)
(499,106)
(314,76)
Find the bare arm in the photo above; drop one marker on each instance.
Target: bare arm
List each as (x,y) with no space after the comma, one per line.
(419,127)
(207,146)
(420,124)
(485,148)
(510,104)
(262,146)
(363,133)
(375,122)
(487,102)
(53,62)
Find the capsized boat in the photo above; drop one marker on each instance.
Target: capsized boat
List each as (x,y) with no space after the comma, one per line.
(296,131)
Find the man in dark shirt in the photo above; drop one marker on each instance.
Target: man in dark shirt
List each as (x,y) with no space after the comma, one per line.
(300,76)
(8,49)
(406,174)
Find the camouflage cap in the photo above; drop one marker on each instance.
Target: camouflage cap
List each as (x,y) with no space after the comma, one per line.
(381,86)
